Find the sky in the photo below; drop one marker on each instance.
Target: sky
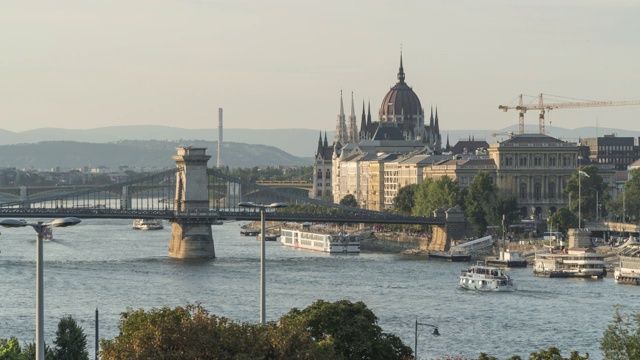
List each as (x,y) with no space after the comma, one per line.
(81,64)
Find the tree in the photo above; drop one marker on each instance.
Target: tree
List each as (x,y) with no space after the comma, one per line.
(479,200)
(621,339)
(507,206)
(627,202)
(352,328)
(71,341)
(349,200)
(10,349)
(190,332)
(563,220)
(434,194)
(554,353)
(583,189)
(405,200)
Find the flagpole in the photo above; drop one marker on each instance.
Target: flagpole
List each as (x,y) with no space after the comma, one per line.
(579,198)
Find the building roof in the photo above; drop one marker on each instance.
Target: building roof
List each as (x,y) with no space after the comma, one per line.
(401,99)
(470,146)
(532,138)
(388,132)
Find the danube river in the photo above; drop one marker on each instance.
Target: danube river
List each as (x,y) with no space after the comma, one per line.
(105,264)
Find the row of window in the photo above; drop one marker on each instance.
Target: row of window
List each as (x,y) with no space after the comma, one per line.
(537,161)
(537,191)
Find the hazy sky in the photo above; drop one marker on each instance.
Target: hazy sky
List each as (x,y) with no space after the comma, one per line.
(282,64)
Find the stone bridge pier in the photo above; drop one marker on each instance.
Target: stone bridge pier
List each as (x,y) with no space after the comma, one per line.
(190,238)
(455,228)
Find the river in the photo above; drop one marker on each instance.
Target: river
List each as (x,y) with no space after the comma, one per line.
(105,264)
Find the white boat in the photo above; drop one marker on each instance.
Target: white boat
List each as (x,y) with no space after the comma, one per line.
(628,271)
(486,278)
(333,243)
(148,224)
(575,262)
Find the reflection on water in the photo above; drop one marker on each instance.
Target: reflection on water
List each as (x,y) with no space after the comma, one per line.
(105,264)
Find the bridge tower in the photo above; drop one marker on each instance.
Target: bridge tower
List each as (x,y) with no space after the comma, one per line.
(191,238)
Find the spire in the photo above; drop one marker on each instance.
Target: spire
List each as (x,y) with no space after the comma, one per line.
(352,126)
(326,144)
(341,126)
(401,71)
(319,145)
(448,147)
(431,121)
(369,114)
(363,121)
(437,125)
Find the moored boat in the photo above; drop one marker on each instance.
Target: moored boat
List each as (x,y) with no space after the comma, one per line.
(333,243)
(486,278)
(453,256)
(628,270)
(148,224)
(507,259)
(574,262)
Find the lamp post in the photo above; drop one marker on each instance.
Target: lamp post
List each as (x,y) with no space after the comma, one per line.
(263,236)
(415,344)
(39,228)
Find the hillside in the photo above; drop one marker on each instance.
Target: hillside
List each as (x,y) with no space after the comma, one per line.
(138,153)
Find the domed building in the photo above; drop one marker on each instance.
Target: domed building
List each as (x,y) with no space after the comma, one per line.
(400,129)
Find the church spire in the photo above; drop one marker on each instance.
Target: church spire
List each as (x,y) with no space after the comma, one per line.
(401,71)
(319,145)
(448,147)
(326,144)
(352,126)
(341,126)
(369,114)
(437,125)
(363,123)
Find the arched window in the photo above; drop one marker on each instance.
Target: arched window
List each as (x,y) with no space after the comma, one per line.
(319,174)
(328,174)
(552,190)
(523,161)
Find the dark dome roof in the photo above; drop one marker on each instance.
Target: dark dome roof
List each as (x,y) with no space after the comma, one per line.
(401,98)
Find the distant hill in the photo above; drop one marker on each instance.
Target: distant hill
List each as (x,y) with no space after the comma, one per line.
(298,142)
(147,154)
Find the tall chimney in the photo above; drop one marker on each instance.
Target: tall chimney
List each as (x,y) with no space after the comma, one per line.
(219,163)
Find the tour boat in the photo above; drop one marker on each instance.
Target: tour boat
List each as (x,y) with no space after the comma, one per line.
(628,271)
(507,258)
(148,224)
(333,243)
(574,262)
(486,278)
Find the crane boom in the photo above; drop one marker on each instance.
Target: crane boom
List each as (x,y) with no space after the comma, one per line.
(543,107)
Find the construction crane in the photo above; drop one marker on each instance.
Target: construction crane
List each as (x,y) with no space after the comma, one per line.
(550,106)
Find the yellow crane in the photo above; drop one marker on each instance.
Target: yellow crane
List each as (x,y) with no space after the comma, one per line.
(543,107)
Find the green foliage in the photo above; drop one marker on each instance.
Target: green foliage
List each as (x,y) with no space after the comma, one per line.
(10,349)
(553,353)
(433,194)
(405,200)
(506,205)
(563,220)
(349,200)
(192,333)
(630,197)
(587,187)
(71,341)
(478,201)
(29,352)
(621,339)
(352,329)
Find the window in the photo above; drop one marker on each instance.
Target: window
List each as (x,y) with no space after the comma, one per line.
(523,191)
(319,193)
(552,161)
(328,174)
(537,161)
(537,191)
(508,161)
(319,174)
(552,190)
(523,161)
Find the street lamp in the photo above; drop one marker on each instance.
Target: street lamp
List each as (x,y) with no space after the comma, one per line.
(415,344)
(263,236)
(39,228)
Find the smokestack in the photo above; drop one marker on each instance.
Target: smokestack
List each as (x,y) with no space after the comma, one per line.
(219,164)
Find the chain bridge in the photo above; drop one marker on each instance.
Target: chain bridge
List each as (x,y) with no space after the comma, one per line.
(192,197)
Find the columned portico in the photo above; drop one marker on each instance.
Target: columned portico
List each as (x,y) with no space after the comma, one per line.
(191,239)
